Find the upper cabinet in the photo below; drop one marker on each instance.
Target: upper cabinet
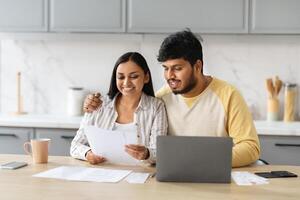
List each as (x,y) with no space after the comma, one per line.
(24,16)
(204,16)
(275,16)
(151,16)
(87,15)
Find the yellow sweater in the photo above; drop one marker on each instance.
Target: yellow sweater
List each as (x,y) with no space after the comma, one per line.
(219,110)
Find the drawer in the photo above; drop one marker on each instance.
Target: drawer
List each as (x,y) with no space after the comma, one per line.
(60,140)
(283,150)
(12,139)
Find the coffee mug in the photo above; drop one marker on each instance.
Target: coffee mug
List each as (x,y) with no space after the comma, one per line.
(39,149)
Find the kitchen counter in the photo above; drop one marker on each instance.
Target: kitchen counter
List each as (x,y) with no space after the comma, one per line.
(279,128)
(67,122)
(40,121)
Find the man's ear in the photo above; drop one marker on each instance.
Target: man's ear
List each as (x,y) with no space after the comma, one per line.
(147,78)
(198,66)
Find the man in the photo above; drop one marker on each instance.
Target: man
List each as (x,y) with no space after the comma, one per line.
(200,105)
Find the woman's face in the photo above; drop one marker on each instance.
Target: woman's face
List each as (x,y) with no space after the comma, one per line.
(130,79)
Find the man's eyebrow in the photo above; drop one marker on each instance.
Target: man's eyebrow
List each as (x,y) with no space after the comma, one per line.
(176,65)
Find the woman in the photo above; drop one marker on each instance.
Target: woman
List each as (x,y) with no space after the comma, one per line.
(131,106)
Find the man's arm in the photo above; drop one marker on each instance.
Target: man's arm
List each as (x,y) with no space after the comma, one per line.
(92,102)
(240,127)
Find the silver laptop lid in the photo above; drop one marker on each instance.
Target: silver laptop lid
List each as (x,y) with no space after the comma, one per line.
(194,159)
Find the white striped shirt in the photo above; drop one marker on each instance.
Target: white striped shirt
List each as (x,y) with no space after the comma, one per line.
(150,118)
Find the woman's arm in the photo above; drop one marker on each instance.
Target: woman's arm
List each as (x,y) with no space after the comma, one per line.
(159,127)
(79,145)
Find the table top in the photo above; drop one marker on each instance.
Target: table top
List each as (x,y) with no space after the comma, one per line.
(19,184)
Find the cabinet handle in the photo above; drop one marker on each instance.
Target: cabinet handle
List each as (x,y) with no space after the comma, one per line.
(8,135)
(67,137)
(287,145)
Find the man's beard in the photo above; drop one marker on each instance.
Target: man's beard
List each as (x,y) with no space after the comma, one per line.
(189,87)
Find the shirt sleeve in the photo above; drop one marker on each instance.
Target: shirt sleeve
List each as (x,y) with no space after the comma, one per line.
(240,127)
(163,91)
(79,145)
(159,127)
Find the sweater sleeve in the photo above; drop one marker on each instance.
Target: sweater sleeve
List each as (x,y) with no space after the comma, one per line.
(240,127)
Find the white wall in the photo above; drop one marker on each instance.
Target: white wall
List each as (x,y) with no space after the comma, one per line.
(49,67)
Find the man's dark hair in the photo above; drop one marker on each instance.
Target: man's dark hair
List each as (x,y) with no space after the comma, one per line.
(183,44)
(141,62)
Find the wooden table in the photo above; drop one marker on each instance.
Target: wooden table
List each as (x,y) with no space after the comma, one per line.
(19,184)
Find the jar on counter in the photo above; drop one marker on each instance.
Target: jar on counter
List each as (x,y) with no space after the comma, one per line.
(290,101)
(75,101)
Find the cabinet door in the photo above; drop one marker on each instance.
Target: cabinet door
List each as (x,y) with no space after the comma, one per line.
(275,16)
(20,15)
(281,150)
(12,139)
(60,140)
(204,16)
(87,15)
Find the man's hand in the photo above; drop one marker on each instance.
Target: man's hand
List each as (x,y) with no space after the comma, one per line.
(92,102)
(137,151)
(93,158)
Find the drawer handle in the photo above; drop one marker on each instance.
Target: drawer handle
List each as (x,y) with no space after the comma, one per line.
(287,145)
(8,135)
(67,137)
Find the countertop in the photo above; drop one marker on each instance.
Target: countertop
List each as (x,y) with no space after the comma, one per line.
(278,128)
(40,121)
(68,122)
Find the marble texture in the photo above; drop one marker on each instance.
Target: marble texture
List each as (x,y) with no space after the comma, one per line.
(49,67)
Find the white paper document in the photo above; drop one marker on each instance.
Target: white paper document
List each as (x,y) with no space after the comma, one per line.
(247,178)
(111,144)
(136,177)
(84,174)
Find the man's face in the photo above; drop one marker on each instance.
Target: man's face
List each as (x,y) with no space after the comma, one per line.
(180,75)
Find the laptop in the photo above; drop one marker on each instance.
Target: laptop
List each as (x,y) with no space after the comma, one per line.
(194,159)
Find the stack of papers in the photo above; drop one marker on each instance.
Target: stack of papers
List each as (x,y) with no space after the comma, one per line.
(247,178)
(93,174)
(135,177)
(111,144)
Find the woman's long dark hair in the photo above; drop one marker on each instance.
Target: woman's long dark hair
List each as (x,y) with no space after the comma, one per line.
(141,62)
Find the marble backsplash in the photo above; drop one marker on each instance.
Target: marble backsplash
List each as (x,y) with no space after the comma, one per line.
(50,67)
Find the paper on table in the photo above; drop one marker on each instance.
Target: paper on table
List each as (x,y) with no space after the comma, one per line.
(135,177)
(84,174)
(247,178)
(111,144)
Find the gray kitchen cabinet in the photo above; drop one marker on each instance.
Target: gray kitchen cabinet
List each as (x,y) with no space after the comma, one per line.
(60,139)
(24,16)
(12,139)
(87,15)
(203,16)
(282,150)
(275,16)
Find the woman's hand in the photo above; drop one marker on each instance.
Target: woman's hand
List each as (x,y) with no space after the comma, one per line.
(92,102)
(139,152)
(93,158)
